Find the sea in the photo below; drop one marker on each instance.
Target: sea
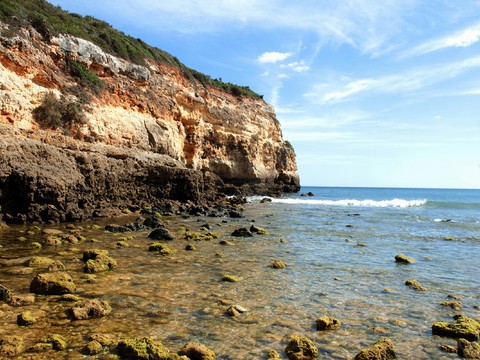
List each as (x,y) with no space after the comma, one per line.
(339,246)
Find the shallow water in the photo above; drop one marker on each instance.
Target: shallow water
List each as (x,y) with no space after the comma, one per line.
(340,260)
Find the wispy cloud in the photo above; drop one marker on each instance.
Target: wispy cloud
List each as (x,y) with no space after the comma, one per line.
(297,66)
(462,38)
(273,57)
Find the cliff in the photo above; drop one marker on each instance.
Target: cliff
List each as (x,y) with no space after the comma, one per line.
(83,131)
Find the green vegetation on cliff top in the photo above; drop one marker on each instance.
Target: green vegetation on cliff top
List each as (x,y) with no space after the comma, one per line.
(50,20)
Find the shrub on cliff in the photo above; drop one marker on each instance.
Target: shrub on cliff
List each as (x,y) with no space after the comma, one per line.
(86,77)
(54,113)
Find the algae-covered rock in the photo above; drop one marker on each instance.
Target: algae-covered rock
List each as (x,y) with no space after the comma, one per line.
(301,348)
(142,349)
(196,351)
(58,341)
(22,300)
(92,348)
(56,266)
(26,319)
(278,264)
(327,323)
(92,254)
(99,264)
(455,305)
(242,232)
(190,247)
(56,283)
(235,310)
(467,349)
(258,230)
(415,285)
(230,278)
(404,259)
(39,261)
(162,249)
(11,346)
(5,294)
(160,234)
(273,354)
(464,327)
(383,349)
(89,309)
(40,347)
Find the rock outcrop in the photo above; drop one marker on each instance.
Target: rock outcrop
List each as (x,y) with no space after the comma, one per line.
(149,133)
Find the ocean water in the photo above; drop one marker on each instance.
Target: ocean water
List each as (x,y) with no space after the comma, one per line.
(339,245)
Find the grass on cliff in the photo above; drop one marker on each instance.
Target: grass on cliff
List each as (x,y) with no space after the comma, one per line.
(50,20)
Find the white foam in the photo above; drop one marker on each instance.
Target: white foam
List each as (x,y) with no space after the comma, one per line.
(395,203)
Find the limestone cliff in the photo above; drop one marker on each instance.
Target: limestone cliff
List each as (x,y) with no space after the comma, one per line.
(149,132)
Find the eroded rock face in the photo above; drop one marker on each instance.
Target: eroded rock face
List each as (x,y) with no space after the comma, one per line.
(151,133)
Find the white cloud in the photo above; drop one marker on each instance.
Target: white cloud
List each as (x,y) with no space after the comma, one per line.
(273,57)
(462,38)
(297,66)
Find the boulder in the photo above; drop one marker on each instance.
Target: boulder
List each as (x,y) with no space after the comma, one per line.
(89,309)
(56,283)
(301,348)
(327,323)
(11,346)
(142,349)
(160,234)
(197,351)
(467,349)
(383,349)
(403,259)
(464,327)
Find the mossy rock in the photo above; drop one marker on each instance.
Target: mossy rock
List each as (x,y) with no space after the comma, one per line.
(11,346)
(464,327)
(39,261)
(404,259)
(467,349)
(26,319)
(92,348)
(230,278)
(142,349)
(415,285)
(301,348)
(242,232)
(99,264)
(258,230)
(57,265)
(5,294)
(162,249)
(278,264)
(58,341)
(92,254)
(382,349)
(89,309)
(197,351)
(56,283)
(455,305)
(35,245)
(273,355)
(327,323)
(122,244)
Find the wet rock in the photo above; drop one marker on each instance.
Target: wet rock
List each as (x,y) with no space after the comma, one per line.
(415,285)
(99,264)
(92,254)
(190,247)
(22,300)
(242,232)
(40,347)
(197,351)
(308,194)
(122,244)
(56,266)
(403,259)
(104,340)
(383,349)
(160,234)
(448,349)
(89,309)
(142,349)
(11,346)
(230,278)
(153,222)
(301,348)
(278,264)
(273,355)
(225,242)
(235,310)
(70,298)
(258,230)
(234,214)
(92,348)
(283,240)
(39,261)
(265,200)
(464,327)
(455,305)
(5,294)
(114,228)
(162,249)
(58,341)
(26,319)
(327,323)
(35,245)
(57,283)
(468,350)
(53,241)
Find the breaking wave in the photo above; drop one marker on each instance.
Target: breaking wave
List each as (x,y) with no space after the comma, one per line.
(394,203)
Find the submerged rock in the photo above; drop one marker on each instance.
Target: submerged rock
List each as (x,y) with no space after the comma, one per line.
(89,309)
(161,234)
(404,259)
(278,264)
(301,348)
(39,261)
(327,323)
(57,265)
(230,278)
(11,346)
(383,349)
(93,348)
(455,305)
(58,341)
(467,349)
(464,327)
(197,351)
(142,349)
(273,355)
(99,264)
(56,283)
(92,254)
(415,285)
(162,249)
(242,232)
(258,230)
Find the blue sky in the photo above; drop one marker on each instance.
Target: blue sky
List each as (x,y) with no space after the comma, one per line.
(370,93)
